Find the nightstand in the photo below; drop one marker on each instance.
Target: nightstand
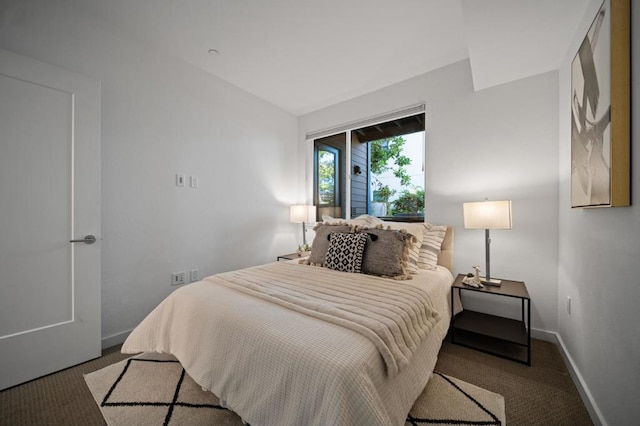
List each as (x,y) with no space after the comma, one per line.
(503,337)
(292,256)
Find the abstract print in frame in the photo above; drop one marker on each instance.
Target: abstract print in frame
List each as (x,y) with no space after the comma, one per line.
(600,111)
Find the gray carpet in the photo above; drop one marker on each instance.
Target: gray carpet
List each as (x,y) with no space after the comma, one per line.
(542,394)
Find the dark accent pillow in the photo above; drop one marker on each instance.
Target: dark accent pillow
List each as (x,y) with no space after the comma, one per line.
(321,242)
(345,251)
(388,254)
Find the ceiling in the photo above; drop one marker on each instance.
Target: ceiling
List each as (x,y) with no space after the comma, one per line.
(303,55)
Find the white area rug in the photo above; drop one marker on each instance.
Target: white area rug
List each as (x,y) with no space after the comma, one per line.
(154,389)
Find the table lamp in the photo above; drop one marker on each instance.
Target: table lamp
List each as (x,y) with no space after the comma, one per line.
(487,215)
(302,214)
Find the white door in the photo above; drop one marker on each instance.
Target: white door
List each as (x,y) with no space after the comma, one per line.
(49,195)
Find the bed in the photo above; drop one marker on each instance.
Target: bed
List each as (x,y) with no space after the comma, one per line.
(243,336)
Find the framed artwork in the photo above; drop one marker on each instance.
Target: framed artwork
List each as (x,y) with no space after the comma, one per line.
(600,110)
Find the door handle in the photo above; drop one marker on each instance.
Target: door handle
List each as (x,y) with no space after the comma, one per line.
(88,239)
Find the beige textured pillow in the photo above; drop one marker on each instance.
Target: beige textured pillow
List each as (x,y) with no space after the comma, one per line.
(320,244)
(386,253)
(431,245)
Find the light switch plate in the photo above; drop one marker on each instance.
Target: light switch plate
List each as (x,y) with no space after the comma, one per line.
(178,278)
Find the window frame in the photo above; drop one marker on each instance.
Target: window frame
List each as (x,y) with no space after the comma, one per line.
(347,129)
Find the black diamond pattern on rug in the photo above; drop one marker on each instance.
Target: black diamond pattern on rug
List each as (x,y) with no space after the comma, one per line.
(165,393)
(154,389)
(471,408)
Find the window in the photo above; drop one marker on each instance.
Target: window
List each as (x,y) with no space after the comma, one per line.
(329,175)
(385,176)
(392,155)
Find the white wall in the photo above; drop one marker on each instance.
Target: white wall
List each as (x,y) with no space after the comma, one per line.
(160,117)
(598,267)
(499,143)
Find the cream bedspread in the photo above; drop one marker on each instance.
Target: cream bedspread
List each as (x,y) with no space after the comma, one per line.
(277,366)
(394,317)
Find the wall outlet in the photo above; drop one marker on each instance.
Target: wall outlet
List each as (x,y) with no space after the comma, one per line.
(193,275)
(568,305)
(179,180)
(194,181)
(178,278)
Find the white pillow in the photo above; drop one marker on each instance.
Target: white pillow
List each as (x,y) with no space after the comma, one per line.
(330,220)
(362,220)
(431,245)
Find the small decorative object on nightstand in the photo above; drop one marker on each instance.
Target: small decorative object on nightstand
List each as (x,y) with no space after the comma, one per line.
(504,337)
(304,248)
(473,279)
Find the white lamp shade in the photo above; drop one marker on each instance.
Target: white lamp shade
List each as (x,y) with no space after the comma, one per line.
(487,215)
(301,213)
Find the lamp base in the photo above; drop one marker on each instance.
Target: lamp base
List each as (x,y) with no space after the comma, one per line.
(492,281)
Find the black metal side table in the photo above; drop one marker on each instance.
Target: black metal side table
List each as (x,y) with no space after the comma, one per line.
(504,337)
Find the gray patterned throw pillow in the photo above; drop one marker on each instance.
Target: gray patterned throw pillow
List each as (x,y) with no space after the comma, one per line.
(345,251)
(387,253)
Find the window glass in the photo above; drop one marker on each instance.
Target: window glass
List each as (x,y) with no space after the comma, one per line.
(329,176)
(390,157)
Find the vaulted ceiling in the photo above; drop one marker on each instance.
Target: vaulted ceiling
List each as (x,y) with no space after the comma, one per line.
(303,55)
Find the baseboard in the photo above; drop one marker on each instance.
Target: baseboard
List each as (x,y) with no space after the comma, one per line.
(547,336)
(583,390)
(115,339)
